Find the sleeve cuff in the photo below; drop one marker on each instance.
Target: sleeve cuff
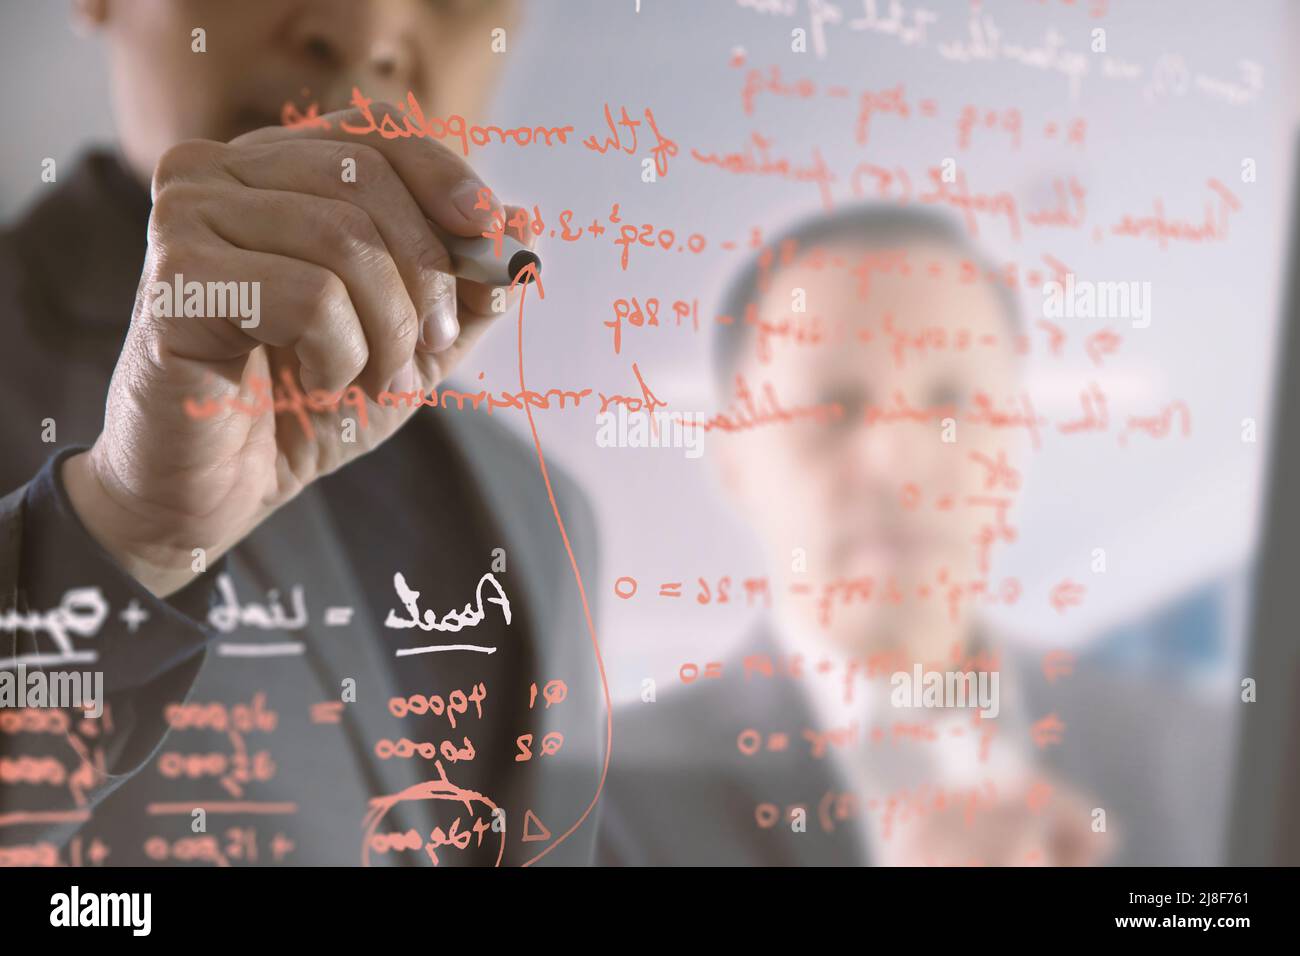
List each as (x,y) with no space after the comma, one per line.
(77,605)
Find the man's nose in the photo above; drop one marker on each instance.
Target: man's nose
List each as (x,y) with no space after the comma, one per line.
(885,456)
(361,43)
(869,469)
(879,450)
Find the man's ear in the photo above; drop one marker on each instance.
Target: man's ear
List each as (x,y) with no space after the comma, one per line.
(89,15)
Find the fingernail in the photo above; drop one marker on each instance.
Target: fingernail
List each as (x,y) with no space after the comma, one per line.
(465,197)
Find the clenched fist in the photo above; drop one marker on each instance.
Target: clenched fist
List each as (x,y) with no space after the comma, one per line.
(354,289)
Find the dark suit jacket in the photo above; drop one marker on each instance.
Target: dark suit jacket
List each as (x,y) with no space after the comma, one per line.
(432,502)
(680,792)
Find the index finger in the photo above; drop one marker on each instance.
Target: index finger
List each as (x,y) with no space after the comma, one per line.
(443,184)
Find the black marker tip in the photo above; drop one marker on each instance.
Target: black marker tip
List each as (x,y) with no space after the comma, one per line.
(521,260)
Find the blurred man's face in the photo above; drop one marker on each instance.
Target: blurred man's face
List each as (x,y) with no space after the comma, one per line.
(264,53)
(836,490)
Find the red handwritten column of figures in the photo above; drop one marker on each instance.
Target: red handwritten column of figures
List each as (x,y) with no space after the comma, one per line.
(67,735)
(234,771)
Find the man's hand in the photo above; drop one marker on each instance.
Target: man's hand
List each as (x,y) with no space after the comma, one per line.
(353,290)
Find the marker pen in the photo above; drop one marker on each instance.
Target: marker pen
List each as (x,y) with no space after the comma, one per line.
(475,260)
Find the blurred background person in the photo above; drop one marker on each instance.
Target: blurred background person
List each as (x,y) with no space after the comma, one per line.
(874,529)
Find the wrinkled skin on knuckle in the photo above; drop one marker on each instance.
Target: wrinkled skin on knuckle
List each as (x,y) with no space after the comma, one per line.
(356,234)
(185,160)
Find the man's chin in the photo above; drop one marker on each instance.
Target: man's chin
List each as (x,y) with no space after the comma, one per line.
(861,632)
(888,631)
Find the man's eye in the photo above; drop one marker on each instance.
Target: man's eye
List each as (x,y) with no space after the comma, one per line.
(852,404)
(946,394)
(852,400)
